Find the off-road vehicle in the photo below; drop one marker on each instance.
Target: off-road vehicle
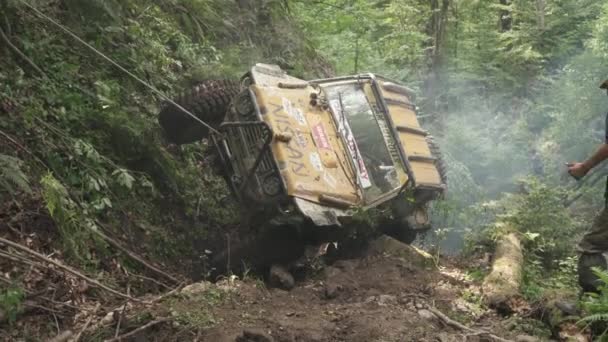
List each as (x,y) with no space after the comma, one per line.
(312,153)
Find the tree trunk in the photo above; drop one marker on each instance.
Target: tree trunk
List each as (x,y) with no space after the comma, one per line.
(357,55)
(437,29)
(502,284)
(505,18)
(540,10)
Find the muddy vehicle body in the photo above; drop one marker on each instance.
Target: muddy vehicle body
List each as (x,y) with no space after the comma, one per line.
(313,153)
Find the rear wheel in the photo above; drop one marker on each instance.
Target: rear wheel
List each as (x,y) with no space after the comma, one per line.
(208,101)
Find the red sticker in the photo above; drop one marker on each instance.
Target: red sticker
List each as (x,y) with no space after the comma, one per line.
(320,136)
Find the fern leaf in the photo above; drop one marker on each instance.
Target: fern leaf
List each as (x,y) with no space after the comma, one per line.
(13,177)
(595,318)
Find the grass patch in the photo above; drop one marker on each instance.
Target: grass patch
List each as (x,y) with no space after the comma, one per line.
(196,311)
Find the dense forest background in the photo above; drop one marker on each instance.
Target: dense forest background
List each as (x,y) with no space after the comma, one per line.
(509,88)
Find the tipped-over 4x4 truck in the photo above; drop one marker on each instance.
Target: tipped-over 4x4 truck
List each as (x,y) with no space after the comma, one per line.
(313,153)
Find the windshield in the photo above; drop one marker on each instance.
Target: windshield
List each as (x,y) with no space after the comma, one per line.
(367,134)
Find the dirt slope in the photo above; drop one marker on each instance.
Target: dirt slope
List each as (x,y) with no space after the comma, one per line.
(387,295)
(379,298)
(383,296)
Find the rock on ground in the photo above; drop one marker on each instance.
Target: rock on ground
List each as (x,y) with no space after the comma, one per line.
(281,278)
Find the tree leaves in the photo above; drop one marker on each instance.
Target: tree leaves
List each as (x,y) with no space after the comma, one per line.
(124,178)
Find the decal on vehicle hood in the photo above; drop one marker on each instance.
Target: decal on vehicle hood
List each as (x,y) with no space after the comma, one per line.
(314,161)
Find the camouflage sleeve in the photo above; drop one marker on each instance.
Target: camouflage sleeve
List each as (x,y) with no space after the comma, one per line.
(606,130)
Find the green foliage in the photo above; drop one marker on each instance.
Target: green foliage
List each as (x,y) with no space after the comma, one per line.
(195,311)
(96,128)
(75,227)
(539,214)
(538,279)
(360,36)
(10,302)
(12,177)
(595,305)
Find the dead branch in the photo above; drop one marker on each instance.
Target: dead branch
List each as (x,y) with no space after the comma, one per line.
(86,325)
(67,305)
(107,320)
(21,54)
(135,257)
(122,313)
(24,149)
(168,294)
(33,305)
(138,330)
(66,268)
(18,259)
(63,337)
(150,279)
(473,332)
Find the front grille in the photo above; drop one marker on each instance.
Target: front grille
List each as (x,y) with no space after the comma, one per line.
(247,149)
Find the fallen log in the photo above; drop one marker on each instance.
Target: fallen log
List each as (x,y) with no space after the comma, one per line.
(503,283)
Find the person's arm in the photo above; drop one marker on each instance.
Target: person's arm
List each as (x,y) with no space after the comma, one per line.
(578,170)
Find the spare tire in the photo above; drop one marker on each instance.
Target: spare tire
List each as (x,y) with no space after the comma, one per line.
(208,101)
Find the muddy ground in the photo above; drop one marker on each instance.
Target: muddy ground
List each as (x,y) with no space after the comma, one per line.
(389,292)
(386,295)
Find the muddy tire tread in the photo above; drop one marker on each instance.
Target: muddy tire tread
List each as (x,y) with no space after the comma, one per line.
(208,100)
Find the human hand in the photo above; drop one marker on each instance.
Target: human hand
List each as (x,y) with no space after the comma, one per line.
(577,170)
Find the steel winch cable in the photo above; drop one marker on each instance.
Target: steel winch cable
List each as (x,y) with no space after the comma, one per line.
(120,67)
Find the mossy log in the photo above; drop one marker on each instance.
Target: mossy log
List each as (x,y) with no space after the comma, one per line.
(503,282)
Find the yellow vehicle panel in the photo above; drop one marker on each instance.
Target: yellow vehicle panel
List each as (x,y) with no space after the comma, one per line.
(411,135)
(309,153)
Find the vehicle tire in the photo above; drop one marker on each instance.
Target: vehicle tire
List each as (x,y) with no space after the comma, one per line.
(208,100)
(441,165)
(259,251)
(399,231)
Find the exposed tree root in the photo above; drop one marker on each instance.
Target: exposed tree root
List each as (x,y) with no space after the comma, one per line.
(471,332)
